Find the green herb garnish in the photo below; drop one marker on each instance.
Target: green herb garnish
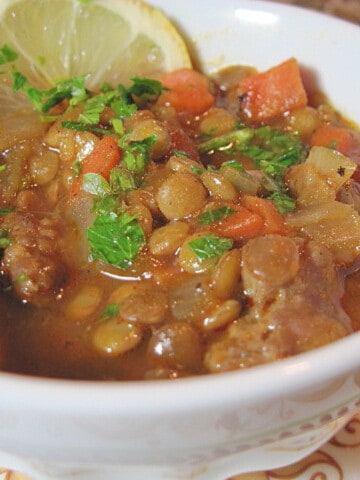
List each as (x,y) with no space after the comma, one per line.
(180,153)
(85,127)
(196,170)
(106,204)
(6,210)
(210,246)
(5,240)
(233,164)
(110,311)
(214,215)
(227,142)
(136,154)
(122,181)
(283,202)
(94,107)
(271,150)
(115,239)
(7,54)
(42,100)
(145,88)
(95,184)
(274,151)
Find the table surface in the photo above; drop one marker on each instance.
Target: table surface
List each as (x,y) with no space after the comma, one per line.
(346,9)
(339,459)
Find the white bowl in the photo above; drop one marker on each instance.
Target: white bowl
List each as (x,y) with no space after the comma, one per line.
(214,426)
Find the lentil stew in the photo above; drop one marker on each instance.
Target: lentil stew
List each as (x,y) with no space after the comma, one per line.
(177,226)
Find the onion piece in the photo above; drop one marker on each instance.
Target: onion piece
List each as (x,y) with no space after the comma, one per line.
(319,178)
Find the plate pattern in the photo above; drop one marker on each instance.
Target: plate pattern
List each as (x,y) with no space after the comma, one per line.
(346,9)
(339,459)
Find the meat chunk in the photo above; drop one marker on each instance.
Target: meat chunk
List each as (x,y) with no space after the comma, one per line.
(301,313)
(32,260)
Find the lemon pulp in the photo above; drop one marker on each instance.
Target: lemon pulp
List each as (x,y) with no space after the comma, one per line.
(109,40)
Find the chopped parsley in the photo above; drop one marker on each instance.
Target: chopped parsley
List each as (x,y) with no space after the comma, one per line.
(121,181)
(145,88)
(95,105)
(115,239)
(5,240)
(228,142)
(86,127)
(106,204)
(180,153)
(196,170)
(43,100)
(115,236)
(214,215)
(209,134)
(283,202)
(118,125)
(6,210)
(95,184)
(271,150)
(136,154)
(210,246)
(110,311)
(120,99)
(233,164)
(76,168)
(7,54)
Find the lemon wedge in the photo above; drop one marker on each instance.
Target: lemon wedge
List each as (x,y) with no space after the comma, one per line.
(109,40)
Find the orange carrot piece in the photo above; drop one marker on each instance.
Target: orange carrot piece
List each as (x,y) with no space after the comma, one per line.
(273,221)
(189,91)
(338,138)
(105,156)
(271,93)
(241,225)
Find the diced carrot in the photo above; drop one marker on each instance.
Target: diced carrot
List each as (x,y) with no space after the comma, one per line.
(273,221)
(241,225)
(271,93)
(105,156)
(338,138)
(189,91)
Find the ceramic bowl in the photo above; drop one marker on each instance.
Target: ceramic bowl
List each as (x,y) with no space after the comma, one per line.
(210,427)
